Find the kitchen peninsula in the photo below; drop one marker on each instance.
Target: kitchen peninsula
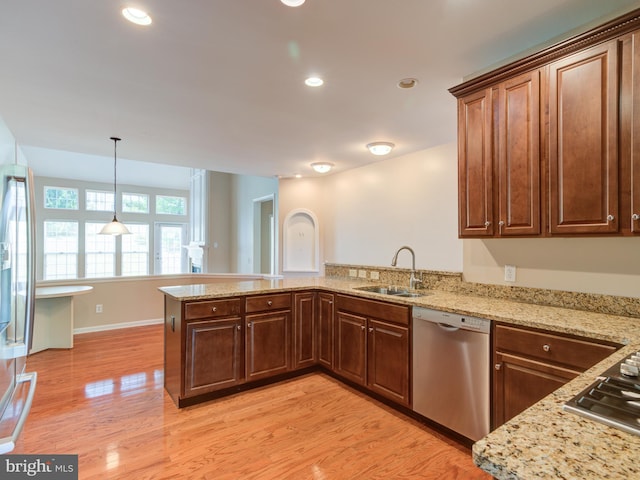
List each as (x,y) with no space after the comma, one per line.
(543,441)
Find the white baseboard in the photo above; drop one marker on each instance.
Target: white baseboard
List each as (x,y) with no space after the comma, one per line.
(115,326)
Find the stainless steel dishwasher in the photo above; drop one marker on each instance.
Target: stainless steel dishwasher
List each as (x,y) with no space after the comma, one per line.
(451,370)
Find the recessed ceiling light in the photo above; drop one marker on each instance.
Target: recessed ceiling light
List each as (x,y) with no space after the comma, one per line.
(292,3)
(134,15)
(380,148)
(407,83)
(314,82)
(322,167)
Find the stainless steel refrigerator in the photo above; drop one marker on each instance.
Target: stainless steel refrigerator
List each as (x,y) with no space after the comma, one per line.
(17,300)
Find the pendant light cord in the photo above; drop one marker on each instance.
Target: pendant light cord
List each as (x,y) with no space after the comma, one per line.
(115,159)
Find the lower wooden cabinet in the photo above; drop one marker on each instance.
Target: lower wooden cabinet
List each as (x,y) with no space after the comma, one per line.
(267,338)
(326,302)
(214,353)
(304,329)
(371,349)
(530,364)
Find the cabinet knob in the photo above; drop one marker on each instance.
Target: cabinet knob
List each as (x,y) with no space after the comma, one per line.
(635,217)
(610,218)
(249,325)
(362,327)
(546,347)
(238,327)
(487,223)
(269,303)
(214,309)
(370,329)
(498,366)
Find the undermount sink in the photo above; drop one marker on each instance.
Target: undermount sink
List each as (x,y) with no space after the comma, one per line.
(394,290)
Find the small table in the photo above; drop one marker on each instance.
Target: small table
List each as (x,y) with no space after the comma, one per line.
(53,319)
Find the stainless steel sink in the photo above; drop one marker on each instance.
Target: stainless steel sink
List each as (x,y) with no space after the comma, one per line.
(394,290)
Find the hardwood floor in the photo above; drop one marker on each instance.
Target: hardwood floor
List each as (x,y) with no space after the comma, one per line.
(104,400)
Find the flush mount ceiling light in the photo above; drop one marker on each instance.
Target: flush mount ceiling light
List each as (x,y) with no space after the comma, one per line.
(322,167)
(380,148)
(314,82)
(134,15)
(293,3)
(407,83)
(114,227)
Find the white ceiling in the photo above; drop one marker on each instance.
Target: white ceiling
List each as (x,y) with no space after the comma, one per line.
(218,84)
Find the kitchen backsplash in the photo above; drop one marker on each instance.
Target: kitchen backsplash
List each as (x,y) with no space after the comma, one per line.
(452,282)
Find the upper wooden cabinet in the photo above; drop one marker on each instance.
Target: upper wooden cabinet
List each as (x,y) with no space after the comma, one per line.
(549,145)
(499,159)
(475,164)
(583,141)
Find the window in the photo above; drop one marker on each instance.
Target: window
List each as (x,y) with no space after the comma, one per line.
(100,252)
(135,250)
(99,201)
(60,250)
(135,203)
(171,257)
(62,198)
(171,205)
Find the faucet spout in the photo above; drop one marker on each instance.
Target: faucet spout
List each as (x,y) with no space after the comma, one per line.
(412,280)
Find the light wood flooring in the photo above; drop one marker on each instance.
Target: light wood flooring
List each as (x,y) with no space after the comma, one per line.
(104,400)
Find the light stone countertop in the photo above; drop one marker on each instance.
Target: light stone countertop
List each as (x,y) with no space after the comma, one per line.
(543,441)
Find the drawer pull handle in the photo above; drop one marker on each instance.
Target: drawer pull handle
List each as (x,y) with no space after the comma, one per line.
(498,366)
(546,347)
(173,323)
(269,303)
(214,309)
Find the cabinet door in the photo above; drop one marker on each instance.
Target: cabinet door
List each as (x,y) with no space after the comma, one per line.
(325,329)
(583,142)
(519,383)
(214,355)
(475,165)
(519,155)
(304,338)
(635,137)
(388,360)
(267,344)
(350,336)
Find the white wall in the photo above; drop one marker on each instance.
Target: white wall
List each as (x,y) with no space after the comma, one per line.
(246,189)
(366,214)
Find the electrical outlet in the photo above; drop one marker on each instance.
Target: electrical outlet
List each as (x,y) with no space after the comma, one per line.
(353,272)
(362,274)
(375,275)
(509,273)
(99,308)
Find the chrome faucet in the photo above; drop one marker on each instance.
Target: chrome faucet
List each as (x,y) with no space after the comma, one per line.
(412,280)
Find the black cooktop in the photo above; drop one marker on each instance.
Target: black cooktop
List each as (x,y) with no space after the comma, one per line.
(613,399)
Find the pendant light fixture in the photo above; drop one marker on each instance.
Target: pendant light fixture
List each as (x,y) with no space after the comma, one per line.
(114,227)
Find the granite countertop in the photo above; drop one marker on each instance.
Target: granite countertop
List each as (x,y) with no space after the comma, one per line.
(543,441)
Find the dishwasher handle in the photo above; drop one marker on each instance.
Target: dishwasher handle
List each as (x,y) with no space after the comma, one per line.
(448,328)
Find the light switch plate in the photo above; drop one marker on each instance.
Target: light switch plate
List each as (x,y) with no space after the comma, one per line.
(509,273)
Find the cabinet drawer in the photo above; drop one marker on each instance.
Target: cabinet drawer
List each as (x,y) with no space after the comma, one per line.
(581,354)
(264,303)
(212,309)
(371,308)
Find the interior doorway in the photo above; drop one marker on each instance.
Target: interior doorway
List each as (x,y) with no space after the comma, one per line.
(264,238)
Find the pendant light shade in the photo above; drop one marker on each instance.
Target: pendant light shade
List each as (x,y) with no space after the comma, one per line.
(114,227)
